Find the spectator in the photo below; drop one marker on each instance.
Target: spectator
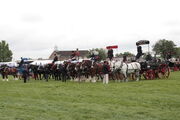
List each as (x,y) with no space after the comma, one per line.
(105,72)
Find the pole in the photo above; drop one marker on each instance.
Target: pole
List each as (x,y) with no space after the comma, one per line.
(148,48)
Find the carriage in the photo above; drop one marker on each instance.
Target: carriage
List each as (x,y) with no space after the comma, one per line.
(153,68)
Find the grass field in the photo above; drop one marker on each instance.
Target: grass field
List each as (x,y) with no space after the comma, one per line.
(54,100)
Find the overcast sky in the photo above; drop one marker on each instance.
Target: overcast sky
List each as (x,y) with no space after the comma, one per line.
(33,27)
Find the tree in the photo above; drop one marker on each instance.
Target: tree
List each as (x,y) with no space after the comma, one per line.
(102,53)
(125,53)
(128,54)
(177,53)
(165,48)
(5,52)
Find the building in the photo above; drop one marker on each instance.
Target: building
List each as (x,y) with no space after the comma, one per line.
(65,55)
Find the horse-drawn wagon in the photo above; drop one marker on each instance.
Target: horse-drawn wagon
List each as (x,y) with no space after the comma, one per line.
(152,70)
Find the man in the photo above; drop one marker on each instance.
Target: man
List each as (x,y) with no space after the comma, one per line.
(55,58)
(139,52)
(105,71)
(124,58)
(94,55)
(21,62)
(77,54)
(25,73)
(110,54)
(73,55)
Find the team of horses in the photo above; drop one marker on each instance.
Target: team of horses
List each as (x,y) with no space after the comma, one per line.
(86,70)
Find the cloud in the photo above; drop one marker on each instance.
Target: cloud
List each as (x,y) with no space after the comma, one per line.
(33,29)
(31,18)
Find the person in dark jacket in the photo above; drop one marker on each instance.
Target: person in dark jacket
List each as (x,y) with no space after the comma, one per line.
(105,71)
(25,74)
(63,72)
(73,55)
(139,52)
(110,54)
(55,58)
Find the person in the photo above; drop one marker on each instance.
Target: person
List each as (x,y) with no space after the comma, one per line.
(55,58)
(124,58)
(73,55)
(25,74)
(94,55)
(21,62)
(139,52)
(77,54)
(110,54)
(148,57)
(105,71)
(63,72)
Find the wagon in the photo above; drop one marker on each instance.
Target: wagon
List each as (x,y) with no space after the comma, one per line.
(155,70)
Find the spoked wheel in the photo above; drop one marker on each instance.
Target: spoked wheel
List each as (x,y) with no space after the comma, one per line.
(160,75)
(164,72)
(167,72)
(149,75)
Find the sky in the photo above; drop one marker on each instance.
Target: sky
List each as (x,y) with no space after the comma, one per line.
(32,28)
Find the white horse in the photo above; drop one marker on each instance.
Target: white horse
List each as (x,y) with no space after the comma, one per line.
(127,68)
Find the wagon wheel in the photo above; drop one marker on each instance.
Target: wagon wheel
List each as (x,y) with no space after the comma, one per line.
(167,72)
(164,72)
(150,74)
(160,73)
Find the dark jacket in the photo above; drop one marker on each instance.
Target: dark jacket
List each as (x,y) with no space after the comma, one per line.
(55,59)
(105,69)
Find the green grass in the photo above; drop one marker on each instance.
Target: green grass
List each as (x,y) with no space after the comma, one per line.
(54,100)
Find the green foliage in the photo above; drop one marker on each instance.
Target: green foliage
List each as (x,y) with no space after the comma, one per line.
(54,100)
(163,47)
(102,53)
(177,52)
(119,54)
(129,54)
(5,53)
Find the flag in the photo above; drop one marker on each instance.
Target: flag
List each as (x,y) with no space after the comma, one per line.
(112,47)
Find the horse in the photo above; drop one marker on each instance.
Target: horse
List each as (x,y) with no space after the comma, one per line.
(40,71)
(96,71)
(91,70)
(4,72)
(70,67)
(115,74)
(128,68)
(14,72)
(34,69)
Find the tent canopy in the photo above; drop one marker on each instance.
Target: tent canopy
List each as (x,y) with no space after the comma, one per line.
(142,42)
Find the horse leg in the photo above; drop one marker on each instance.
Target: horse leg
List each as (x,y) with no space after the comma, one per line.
(125,77)
(16,76)
(137,75)
(3,76)
(7,77)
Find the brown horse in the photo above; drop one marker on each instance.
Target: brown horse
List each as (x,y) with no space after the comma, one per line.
(91,70)
(70,67)
(5,71)
(14,72)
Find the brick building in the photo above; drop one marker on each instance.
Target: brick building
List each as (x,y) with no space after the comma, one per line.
(65,55)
